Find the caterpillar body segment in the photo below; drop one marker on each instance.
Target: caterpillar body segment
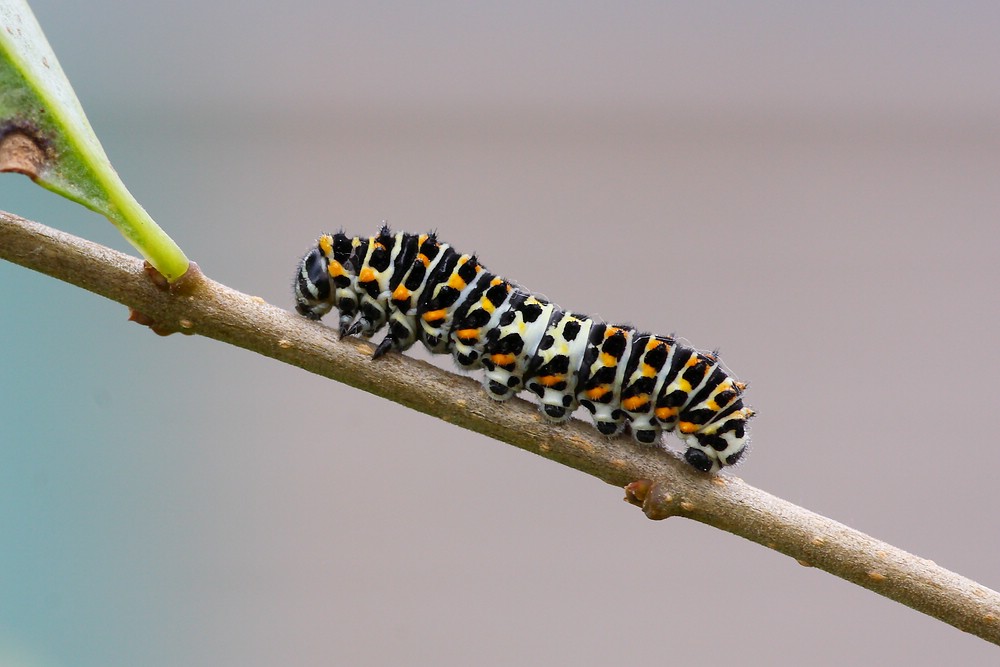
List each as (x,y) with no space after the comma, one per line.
(419,288)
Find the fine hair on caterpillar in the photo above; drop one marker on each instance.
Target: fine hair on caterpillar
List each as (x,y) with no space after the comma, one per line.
(420,288)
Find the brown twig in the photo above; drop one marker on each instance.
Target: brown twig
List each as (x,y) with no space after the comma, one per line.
(654,479)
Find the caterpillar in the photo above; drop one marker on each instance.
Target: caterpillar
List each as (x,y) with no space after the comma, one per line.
(420,288)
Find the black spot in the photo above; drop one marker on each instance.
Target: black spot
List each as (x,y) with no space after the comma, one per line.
(555,412)
(531,312)
(615,346)
(699,417)
(343,248)
(507,318)
(714,441)
(497,294)
(509,344)
(723,397)
(497,388)
(416,277)
(571,330)
(645,436)
(643,385)
(657,356)
(468,270)
(674,399)
(604,375)
(696,373)
(476,320)
(698,459)
(607,428)
(446,296)
(379,259)
(558,364)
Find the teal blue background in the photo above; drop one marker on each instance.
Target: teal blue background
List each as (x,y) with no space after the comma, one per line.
(812,188)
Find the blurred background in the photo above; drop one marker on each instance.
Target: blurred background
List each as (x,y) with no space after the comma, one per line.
(813,188)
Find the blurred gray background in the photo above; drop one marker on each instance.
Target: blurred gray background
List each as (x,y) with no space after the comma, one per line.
(811,187)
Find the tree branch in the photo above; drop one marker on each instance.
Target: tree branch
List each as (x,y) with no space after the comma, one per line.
(198,305)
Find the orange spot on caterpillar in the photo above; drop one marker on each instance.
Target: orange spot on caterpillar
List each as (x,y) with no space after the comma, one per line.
(635,402)
(598,391)
(664,414)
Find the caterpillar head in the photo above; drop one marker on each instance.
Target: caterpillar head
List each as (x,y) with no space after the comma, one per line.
(312,285)
(720,443)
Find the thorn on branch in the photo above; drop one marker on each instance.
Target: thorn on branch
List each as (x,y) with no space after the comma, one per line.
(656,501)
(145,320)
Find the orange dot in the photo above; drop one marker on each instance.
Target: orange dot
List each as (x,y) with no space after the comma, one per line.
(598,391)
(634,403)
(434,315)
(664,414)
(503,359)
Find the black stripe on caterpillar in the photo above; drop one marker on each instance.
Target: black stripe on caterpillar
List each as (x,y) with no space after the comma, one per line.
(423,289)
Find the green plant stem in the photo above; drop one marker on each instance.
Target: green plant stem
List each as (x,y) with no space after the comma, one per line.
(38,102)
